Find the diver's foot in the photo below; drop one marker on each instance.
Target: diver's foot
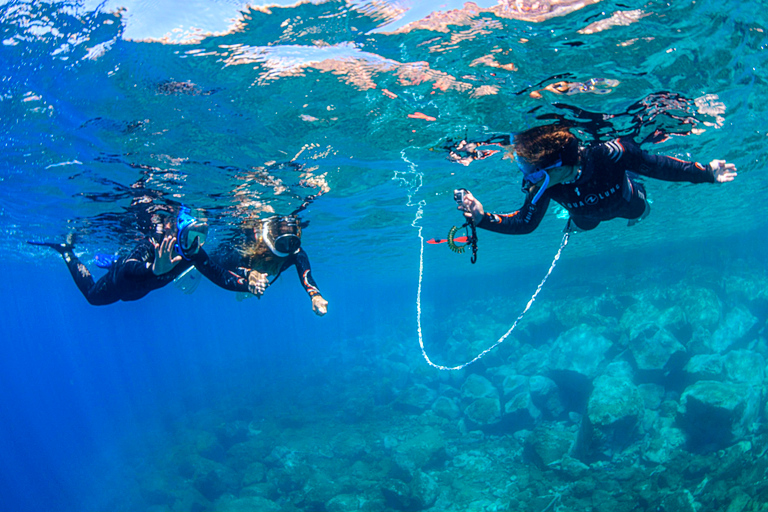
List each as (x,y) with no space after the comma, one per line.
(59,248)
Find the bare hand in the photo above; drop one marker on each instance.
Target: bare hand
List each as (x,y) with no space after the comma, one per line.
(724,172)
(164,259)
(319,305)
(257,283)
(472,208)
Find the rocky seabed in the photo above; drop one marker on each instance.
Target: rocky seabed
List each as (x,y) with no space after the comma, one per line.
(651,398)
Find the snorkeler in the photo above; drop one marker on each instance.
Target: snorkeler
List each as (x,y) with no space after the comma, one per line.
(267,247)
(594,184)
(157,260)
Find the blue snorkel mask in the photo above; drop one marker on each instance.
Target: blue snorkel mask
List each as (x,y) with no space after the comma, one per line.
(190,233)
(535,174)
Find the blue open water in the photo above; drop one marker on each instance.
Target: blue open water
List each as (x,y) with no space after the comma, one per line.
(238,109)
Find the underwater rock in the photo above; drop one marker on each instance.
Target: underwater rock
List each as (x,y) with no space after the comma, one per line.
(679,501)
(655,348)
(665,442)
(419,495)
(549,443)
(613,411)
(704,367)
(477,386)
(213,479)
(701,305)
(247,504)
(514,385)
(232,432)
(744,366)
(546,396)
(424,491)
(673,319)
(352,503)
(715,414)
(425,449)
(636,315)
(290,472)
(446,408)
(581,350)
(483,413)
(254,474)
(319,489)
(652,395)
(737,325)
(520,413)
(415,399)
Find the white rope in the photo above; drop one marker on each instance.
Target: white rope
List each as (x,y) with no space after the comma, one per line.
(419,214)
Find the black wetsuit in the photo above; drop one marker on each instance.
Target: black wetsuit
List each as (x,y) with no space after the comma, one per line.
(605,189)
(228,256)
(131,277)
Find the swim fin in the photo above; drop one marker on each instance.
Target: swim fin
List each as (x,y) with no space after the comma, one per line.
(60,248)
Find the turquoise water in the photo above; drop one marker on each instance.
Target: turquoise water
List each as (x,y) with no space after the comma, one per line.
(181,402)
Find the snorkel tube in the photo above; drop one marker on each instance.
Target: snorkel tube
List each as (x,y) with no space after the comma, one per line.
(534,174)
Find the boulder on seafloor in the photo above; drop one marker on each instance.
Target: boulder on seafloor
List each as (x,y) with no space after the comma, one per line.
(550,442)
(546,396)
(744,366)
(613,411)
(415,399)
(519,412)
(352,503)
(738,323)
(483,413)
(664,441)
(715,414)
(476,386)
(704,367)
(421,493)
(213,479)
(655,349)
(425,449)
(701,305)
(446,408)
(246,504)
(514,385)
(581,350)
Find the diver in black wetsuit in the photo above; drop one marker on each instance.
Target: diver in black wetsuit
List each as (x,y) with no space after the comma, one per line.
(152,265)
(267,248)
(594,184)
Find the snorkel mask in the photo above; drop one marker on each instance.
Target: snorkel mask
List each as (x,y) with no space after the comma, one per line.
(190,233)
(534,174)
(282,235)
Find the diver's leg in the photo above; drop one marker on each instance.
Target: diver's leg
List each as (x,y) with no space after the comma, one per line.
(638,208)
(96,293)
(578,224)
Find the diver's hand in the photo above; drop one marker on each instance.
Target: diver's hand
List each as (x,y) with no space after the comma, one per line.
(724,171)
(472,208)
(319,305)
(164,259)
(257,283)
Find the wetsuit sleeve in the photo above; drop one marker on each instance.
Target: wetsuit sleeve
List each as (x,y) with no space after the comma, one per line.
(520,222)
(218,275)
(628,153)
(138,264)
(301,260)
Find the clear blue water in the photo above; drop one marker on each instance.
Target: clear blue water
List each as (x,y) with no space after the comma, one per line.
(236,109)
